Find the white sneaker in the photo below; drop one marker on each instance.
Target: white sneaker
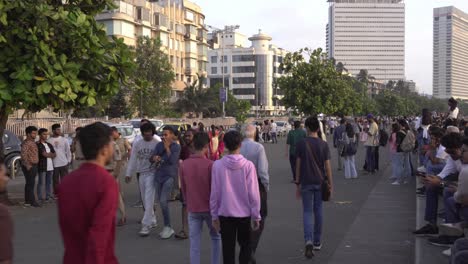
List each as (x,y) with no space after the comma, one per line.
(396,183)
(153,225)
(447,252)
(422,169)
(167,233)
(145,231)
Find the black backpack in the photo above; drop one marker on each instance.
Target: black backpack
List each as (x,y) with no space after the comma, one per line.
(383,139)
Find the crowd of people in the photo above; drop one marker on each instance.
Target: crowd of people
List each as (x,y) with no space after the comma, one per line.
(223,179)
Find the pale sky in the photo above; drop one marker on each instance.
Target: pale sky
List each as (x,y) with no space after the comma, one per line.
(295,24)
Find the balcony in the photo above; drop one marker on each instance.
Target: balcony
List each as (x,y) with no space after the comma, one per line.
(190,71)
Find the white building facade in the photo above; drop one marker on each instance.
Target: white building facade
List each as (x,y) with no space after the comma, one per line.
(368,34)
(250,73)
(450,53)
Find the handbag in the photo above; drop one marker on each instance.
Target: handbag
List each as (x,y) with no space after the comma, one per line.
(326,192)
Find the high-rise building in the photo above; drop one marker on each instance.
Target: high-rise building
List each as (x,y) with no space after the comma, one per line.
(249,71)
(368,34)
(450,53)
(179,24)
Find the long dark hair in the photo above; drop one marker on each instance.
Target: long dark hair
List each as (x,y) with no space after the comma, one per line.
(349,130)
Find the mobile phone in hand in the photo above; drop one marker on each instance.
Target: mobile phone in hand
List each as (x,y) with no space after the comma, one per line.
(421,174)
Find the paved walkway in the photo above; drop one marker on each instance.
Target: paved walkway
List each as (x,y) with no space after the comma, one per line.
(368,221)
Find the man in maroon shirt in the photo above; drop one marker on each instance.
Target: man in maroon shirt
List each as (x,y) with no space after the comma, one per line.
(87,202)
(195,176)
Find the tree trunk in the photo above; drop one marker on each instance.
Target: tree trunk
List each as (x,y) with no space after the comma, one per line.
(3,120)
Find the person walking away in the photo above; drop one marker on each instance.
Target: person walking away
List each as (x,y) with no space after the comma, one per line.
(255,152)
(349,152)
(166,159)
(140,164)
(195,175)
(405,141)
(88,201)
(185,153)
(274,132)
(393,151)
(45,166)
(371,144)
(294,136)
(29,162)
(63,155)
(221,147)
(214,143)
(75,148)
(237,212)
(266,131)
(121,150)
(6,222)
(313,167)
(338,141)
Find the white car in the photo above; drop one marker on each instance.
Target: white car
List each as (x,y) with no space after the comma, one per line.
(283,128)
(126,131)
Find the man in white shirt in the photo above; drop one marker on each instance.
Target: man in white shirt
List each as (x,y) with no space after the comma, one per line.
(274,132)
(140,136)
(45,166)
(435,184)
(63,155)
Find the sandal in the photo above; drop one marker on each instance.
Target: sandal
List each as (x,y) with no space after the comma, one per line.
(122,221)
(181,235)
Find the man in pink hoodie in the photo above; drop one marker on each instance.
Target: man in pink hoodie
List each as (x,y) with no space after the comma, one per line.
(235,200)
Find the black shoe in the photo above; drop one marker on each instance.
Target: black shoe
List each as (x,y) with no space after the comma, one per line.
(35,204)
(443,241)
(427,230)
(309,251)
(252,259)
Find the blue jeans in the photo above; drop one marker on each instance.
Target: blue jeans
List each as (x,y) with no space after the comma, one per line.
(163,191)
(432,203)
(47,177)
(455,212)
(312,203)
(195,221)
(371,162)
(403,166)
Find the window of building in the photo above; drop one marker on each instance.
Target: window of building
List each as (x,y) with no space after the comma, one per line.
(250,91)
(122,28)
(225,58)
(237,58)
(225,69)
(243,69)
(214,70)
(189,15)
(243,80)
(214,59)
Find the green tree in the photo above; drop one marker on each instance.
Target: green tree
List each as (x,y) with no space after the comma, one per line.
(197,99)
(237,108)
(313,85)
(118,105)
(153,78)
(55,54)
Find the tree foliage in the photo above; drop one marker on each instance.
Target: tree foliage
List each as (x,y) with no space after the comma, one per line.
(55,54)
(153,78)
(313,85)
(197,99)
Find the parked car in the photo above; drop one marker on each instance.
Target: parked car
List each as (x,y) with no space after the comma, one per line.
(127,131)
(12,152)
(283,128)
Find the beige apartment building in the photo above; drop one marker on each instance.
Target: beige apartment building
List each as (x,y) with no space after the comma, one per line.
(179,24)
